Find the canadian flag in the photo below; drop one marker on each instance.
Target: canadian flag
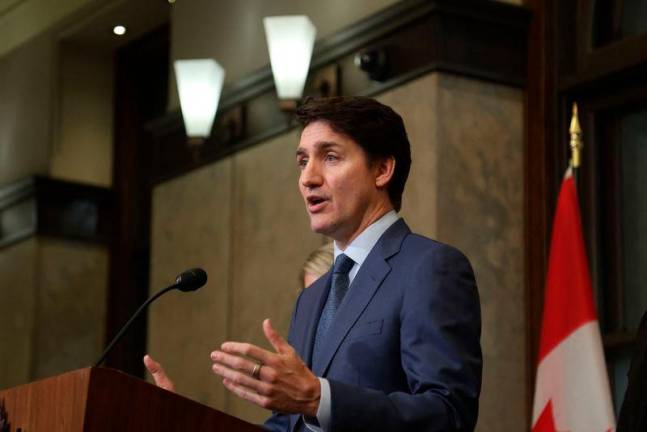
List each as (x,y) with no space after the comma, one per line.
(572,388)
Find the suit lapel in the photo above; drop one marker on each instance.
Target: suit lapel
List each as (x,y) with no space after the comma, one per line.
(359,295)
(319,296)
(366,283)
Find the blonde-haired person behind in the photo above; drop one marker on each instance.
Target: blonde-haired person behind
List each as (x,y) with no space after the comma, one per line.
(317,265)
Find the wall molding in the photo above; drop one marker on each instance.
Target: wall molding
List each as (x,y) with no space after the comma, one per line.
(45,206)
(485,40)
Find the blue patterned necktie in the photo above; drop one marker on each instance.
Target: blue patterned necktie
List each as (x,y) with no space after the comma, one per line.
(338,288)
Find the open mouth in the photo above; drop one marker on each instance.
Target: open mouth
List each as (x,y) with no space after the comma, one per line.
(315,200)
(315,203)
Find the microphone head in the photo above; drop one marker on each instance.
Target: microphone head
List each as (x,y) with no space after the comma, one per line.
(191,280)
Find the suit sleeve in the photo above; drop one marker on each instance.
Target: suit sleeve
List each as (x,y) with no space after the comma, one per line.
(440,326)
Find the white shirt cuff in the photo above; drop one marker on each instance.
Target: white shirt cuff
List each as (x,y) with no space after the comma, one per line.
(323,412)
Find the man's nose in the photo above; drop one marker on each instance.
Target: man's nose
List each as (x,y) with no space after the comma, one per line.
(311,175)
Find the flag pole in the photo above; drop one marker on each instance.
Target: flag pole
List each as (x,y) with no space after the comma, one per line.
(576,143)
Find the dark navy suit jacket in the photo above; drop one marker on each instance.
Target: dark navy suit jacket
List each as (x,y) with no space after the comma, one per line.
(633,414)
(403,353)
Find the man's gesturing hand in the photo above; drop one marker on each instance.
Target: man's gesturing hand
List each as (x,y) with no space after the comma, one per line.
(159,374)
(283,383)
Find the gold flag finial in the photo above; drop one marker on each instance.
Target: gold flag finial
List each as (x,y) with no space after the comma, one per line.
(576,138)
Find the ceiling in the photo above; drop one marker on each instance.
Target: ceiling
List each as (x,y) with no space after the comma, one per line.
(94,27)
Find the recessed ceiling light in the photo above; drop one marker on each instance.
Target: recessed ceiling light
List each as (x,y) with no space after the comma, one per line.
(119,30)
(171,1)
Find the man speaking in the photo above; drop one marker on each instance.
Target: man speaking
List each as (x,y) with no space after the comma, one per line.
(388,340)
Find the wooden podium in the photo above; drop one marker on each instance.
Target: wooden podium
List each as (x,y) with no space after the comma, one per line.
(100,399)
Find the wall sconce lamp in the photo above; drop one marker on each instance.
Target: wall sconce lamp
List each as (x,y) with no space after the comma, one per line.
(290,40)
(199,83)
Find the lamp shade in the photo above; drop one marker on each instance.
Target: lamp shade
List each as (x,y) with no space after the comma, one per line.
(199,83)
(290,40)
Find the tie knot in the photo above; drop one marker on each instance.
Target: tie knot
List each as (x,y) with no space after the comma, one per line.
(343,264)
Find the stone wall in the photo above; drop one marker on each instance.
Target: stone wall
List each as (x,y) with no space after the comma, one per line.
(52,308)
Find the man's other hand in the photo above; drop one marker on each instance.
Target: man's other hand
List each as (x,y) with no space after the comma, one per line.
(158,373)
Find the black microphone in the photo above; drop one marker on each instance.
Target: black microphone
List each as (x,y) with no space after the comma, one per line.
(189,280)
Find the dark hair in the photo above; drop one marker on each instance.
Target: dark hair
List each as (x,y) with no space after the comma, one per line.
(375,127)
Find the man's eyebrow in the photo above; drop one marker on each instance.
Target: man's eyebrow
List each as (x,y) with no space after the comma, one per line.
(319,146)
(325,145)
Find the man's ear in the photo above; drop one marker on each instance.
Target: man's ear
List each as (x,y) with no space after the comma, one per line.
(384,169)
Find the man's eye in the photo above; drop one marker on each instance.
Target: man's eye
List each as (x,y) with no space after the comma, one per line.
(331,157)
(302,162)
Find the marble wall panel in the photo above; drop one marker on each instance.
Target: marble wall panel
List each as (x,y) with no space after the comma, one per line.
(417,104)
(26,77)
(272,238)
(191,227)
(82,150)
(480,210)
(466,189)
(17,288)
(71,292)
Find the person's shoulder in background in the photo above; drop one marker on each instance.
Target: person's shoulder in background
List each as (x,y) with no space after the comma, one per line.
(633,414)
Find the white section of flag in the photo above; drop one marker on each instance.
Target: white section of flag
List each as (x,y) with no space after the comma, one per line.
(573,375)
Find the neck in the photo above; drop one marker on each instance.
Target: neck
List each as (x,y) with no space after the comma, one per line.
(369,218)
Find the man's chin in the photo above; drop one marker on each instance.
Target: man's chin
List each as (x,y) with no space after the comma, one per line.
(321,227)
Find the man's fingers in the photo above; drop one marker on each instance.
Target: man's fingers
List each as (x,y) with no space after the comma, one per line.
(266,357)
(234,362)
(158,373)
(280,381)
(246,349)
(241,379)
(152,366)
(246,393)
(277,341)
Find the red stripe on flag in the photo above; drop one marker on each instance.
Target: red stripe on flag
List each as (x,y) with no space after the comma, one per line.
(568,300)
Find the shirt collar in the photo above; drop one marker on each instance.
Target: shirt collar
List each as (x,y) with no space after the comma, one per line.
(360,247)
